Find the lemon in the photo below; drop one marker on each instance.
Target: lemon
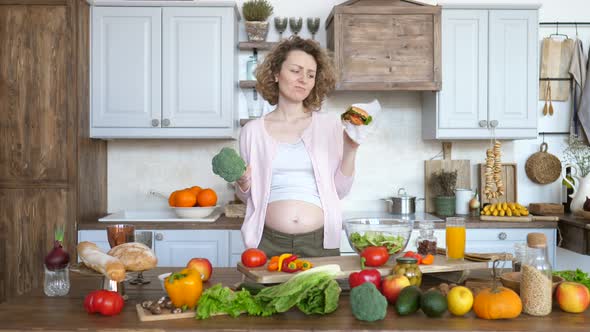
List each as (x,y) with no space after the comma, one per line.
(460,300)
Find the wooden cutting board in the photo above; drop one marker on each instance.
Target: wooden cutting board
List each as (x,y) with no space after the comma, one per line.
(146,316)
(528,218)
(350,264)
(463,168)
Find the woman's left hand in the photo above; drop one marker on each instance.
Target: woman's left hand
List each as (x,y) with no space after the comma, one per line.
(349,143)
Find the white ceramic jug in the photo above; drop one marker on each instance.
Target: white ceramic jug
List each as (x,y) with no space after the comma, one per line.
(581,187)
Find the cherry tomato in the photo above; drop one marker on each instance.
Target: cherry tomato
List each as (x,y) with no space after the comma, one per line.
(375,256)
(253,257)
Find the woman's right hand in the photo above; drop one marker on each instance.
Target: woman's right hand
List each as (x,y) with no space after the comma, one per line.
(245,180)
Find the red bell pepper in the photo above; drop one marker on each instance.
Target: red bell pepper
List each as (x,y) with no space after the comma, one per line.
(289,265)
(375,256)
(105,302)
(368,275)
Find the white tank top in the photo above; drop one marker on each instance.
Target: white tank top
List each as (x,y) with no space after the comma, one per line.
(292,175)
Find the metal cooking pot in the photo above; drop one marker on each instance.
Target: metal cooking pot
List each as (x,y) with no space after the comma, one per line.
(402,203)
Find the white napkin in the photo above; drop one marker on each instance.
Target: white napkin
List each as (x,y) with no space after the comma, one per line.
(359,134)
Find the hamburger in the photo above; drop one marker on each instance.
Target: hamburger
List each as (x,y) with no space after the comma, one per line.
(357,116)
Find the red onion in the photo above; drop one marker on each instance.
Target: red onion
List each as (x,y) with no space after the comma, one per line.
(57,258)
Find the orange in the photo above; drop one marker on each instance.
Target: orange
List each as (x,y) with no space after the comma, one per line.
(207,197)
(172,198)
(185,198)
(195,189)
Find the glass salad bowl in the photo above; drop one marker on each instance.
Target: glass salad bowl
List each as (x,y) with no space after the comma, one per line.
(393,234)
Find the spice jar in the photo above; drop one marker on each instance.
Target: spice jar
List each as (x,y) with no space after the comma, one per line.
(426,242)
(536,277)
(408,266)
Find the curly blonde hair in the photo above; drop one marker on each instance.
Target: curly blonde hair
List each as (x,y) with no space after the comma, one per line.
(325,79)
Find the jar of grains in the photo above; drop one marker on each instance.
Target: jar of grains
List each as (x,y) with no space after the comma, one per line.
(408,266)
(536,278)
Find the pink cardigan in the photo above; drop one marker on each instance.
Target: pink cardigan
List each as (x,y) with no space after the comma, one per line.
(323,141)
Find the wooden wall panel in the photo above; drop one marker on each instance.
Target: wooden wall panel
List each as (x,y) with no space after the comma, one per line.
(28,239)
(33,66)
(51,172)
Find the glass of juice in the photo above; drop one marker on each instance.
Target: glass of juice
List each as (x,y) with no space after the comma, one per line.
(455,238)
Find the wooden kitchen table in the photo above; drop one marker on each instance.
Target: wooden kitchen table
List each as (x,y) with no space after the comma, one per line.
(35,311)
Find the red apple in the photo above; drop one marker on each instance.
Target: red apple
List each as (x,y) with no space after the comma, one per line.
(202,265)
(572,297)
(392,285)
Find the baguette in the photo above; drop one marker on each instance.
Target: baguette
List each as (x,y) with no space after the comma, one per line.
(135,256)
(96,259)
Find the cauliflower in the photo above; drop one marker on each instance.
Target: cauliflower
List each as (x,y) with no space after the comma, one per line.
(228,164)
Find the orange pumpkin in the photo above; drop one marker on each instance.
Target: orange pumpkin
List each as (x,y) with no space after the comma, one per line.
(497,303)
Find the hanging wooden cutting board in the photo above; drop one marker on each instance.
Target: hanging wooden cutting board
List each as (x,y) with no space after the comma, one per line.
(463,168)
(509,178)
(350,264)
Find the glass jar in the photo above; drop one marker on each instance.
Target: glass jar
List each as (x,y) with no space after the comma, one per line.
(426,242)
(536,277)
(251,68)
(519,257)
(56,282)
(408,266)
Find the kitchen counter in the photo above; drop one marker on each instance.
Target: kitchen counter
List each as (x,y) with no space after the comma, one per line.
(35,311)
(224,222)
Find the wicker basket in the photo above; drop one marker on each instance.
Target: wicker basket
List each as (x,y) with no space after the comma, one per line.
(543,167)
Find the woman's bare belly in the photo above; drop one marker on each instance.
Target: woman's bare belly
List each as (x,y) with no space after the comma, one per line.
(294,216)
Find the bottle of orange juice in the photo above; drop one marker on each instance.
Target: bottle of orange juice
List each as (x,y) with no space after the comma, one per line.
(455,238)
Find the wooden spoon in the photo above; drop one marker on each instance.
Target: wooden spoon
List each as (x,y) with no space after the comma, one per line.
(550,103)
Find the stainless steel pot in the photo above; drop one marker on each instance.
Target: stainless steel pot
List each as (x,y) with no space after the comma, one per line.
(402,203)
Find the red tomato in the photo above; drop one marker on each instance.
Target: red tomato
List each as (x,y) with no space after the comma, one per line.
(107,303)
(414,255)
(375,256)
(253,257)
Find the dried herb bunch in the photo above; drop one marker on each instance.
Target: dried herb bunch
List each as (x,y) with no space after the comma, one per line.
(257,10)
(444,183)
(577,153)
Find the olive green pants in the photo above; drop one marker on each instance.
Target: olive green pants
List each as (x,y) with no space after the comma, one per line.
(310,244)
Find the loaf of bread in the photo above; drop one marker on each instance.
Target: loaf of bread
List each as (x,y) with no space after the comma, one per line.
(135,256)
(98,260)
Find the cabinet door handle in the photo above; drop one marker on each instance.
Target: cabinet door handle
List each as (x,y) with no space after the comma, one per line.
(165,122)
(494,123)
(159,236)
(155,122)
(502,236)
(483,123)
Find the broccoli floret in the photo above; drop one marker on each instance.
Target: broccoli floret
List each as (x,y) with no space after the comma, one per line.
(367,303)
(228,164)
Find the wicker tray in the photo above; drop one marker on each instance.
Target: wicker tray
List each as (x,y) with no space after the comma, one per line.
(543,167)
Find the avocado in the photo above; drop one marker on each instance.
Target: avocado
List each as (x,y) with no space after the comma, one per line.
(408,300)
(433,303)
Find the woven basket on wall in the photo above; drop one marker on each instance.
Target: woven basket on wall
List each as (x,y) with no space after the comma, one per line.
(543,167)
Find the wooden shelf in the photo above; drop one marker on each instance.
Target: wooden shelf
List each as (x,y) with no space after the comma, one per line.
(256,45)
(247,84)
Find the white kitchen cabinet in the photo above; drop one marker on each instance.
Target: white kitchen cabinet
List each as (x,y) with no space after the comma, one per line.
(98,237)
(164,72)
(177,247)
(489,76)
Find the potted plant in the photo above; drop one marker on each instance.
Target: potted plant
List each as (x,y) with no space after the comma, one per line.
(443,185)
(256,12)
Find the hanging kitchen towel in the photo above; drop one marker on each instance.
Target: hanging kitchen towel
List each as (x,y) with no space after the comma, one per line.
(360,133)
(583,112)
(556,56)
(577,71)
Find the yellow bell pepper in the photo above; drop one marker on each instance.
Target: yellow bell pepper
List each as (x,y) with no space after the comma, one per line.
(281,259)
(184,287)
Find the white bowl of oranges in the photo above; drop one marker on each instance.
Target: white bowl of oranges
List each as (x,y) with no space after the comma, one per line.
(193,202)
